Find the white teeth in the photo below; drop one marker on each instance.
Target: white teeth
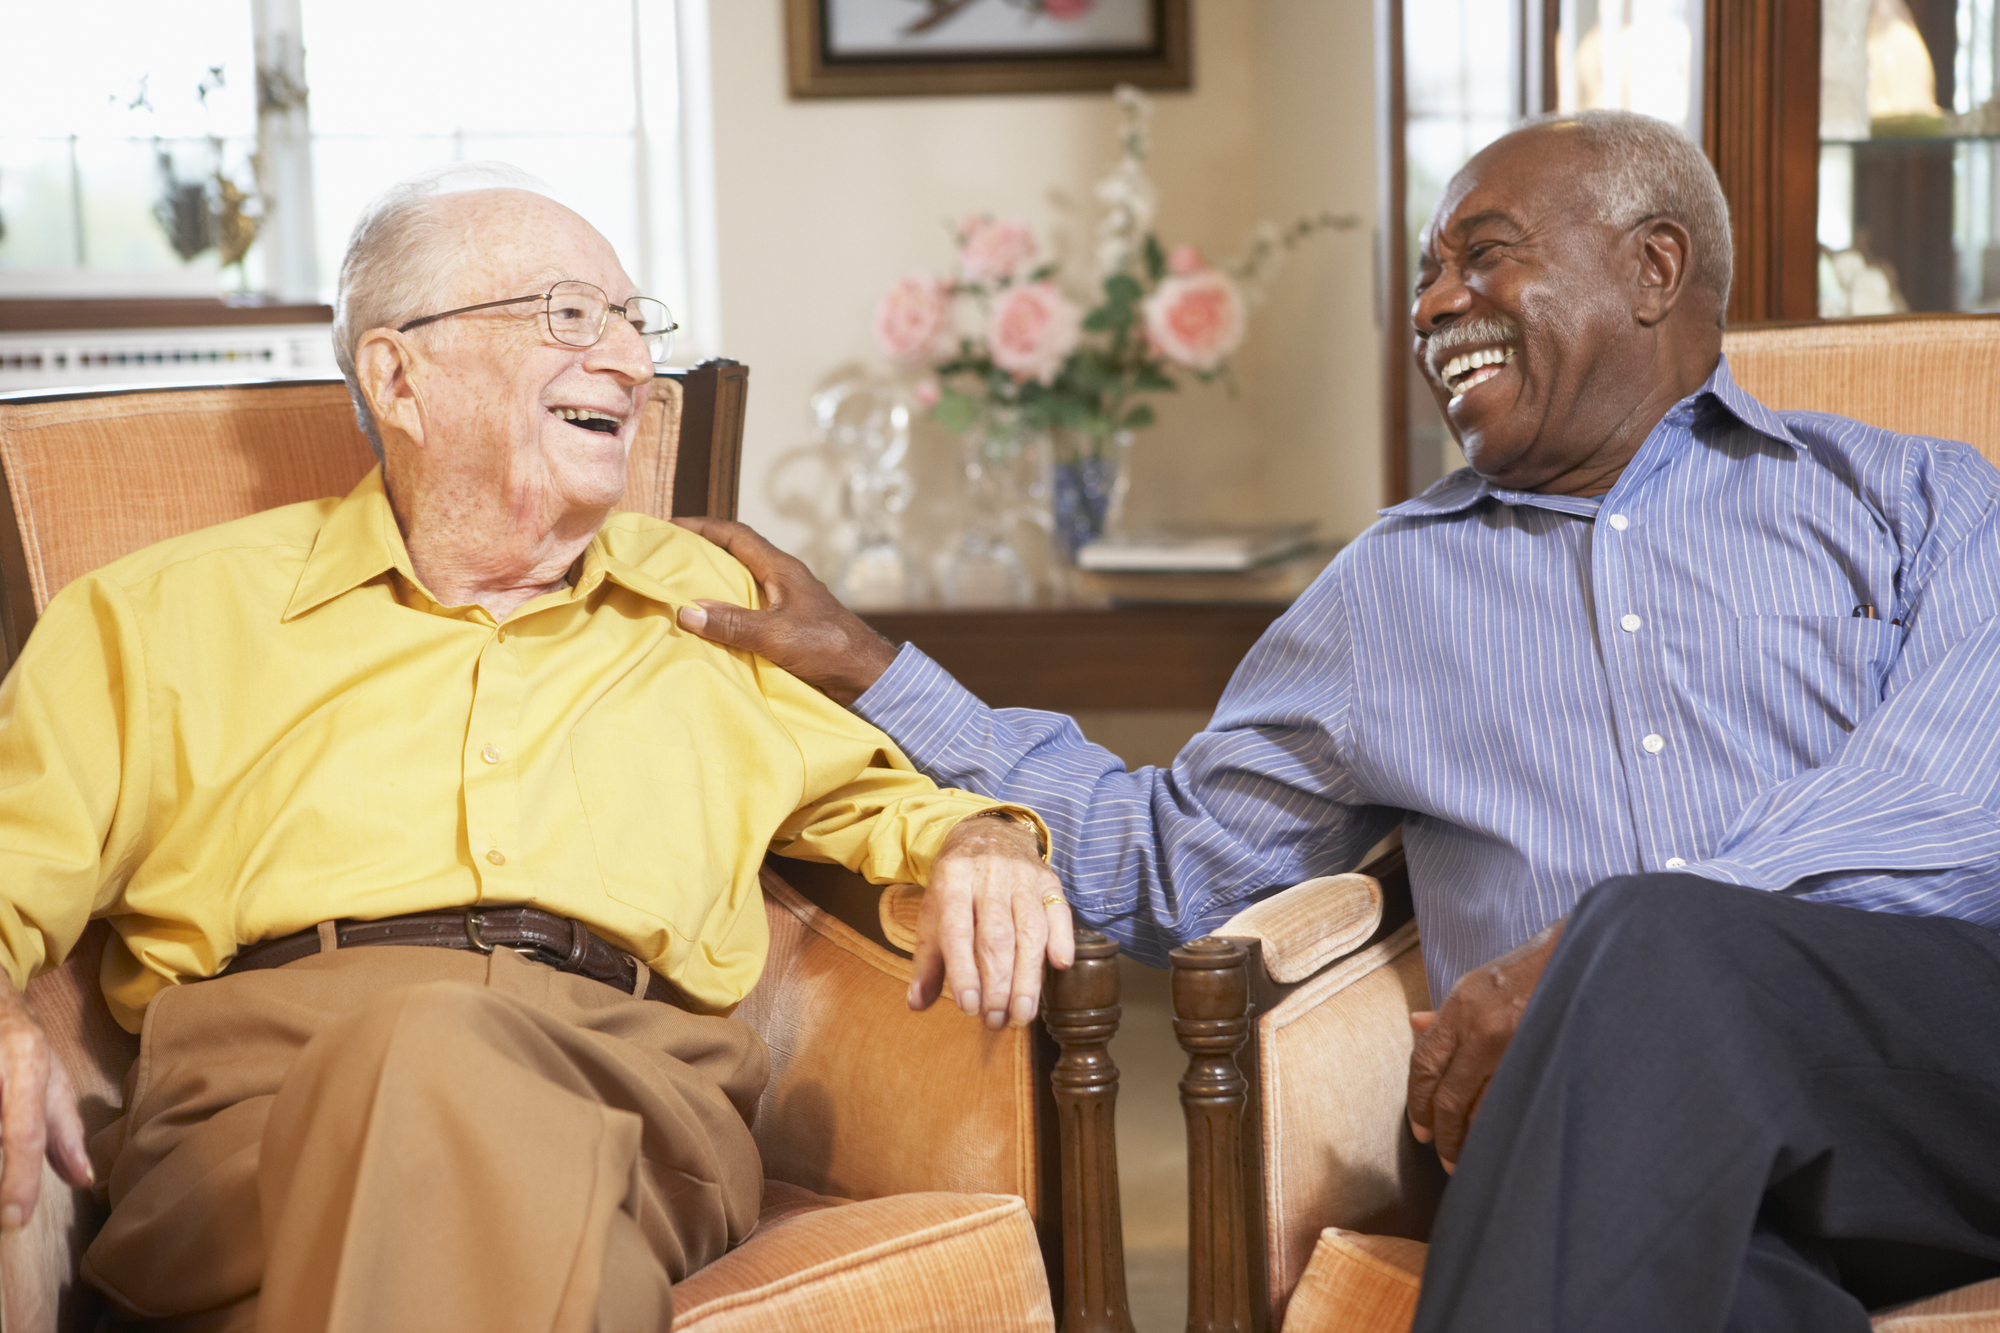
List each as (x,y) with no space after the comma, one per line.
(583,414)
(1466,362)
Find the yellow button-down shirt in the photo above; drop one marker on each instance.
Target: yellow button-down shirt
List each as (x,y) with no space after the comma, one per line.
(236,734)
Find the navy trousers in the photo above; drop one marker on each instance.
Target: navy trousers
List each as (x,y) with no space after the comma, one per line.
(1730,1110)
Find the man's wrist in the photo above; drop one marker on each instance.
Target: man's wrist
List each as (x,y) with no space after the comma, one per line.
(1024,821)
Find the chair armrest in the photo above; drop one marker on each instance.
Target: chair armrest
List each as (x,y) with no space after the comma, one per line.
(1309,925)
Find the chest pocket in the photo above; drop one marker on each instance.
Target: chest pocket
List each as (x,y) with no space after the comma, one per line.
(653,812)
(1803,683)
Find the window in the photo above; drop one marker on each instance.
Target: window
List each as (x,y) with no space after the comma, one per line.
(118,160)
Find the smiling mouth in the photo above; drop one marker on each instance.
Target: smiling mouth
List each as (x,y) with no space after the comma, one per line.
(1468,370)
(586,418)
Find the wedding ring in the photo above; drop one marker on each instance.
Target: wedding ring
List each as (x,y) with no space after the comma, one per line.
(1048,898)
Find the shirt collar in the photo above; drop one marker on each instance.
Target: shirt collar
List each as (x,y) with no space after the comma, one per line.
(1720,398)
(360,540)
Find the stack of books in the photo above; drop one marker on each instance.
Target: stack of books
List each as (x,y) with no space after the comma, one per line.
(1264,563)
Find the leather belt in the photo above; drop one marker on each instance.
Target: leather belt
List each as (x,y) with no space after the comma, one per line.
(557,941)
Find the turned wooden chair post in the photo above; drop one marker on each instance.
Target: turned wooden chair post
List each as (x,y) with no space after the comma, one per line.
(1082,1016)
(1211,1000)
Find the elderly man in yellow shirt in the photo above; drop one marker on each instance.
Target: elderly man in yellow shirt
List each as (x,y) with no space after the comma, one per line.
(453,709)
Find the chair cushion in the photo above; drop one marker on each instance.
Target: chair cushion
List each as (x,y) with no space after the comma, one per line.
(896,1265)
(1368,1284)
(1357,1284)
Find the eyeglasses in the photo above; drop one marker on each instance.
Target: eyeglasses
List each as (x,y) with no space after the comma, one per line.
(576,313)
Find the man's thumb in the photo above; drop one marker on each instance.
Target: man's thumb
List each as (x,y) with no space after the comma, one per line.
(718,622)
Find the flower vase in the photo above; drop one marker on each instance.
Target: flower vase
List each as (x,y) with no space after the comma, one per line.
(1088,478)
(985,567)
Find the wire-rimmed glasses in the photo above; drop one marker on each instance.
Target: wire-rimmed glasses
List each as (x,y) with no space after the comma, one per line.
(576,314)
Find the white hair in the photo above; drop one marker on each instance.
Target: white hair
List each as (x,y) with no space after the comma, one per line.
(1650,168)
(402,264)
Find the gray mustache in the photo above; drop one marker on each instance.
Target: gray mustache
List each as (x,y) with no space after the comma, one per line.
(1484,329)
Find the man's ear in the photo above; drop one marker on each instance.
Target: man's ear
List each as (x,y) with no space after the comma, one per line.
(383,361)
(1664,251)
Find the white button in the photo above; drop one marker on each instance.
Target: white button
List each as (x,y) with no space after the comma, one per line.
(1653,744)
(1620,522)
(1630,624)
(492,756)
(497,858)
(1676,863)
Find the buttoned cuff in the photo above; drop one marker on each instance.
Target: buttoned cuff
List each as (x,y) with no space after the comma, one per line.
(921,706)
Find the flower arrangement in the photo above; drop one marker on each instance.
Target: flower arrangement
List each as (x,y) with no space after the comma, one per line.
(1011,351)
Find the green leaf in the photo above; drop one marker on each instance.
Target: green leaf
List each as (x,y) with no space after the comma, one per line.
(1098,320)
(956,411)
(1123,289)
(1138,418)
(1156,259)
(1151,379)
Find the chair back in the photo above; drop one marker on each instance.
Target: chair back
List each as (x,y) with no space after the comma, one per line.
(1920,374)
(92,476)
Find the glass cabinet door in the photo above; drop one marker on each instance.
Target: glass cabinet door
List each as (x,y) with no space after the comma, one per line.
(1908,126)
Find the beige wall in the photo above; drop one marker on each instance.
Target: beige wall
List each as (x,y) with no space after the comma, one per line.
(820,204)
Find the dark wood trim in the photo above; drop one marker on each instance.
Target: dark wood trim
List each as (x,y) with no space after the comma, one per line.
(1082,1017)
(1128,657)
(812,72)
(1211,1018)
(714,397)
(1760,127)
(82,314)
(1392,265)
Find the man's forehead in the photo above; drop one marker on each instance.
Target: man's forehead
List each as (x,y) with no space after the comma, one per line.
(1524,176)
(517,238)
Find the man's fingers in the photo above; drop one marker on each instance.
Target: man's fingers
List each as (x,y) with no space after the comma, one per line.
(996,954)
(719,622)
(955,941)
(23,1127)
(1031,942)
(1062,933)
(927,972)
(1421,1019)
(68,1148)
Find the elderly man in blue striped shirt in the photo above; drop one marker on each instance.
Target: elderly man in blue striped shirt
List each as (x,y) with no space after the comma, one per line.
(1689,711)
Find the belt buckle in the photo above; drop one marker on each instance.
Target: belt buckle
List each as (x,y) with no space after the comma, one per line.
(475,923)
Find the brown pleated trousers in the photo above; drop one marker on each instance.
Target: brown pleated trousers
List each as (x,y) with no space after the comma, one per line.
(394,1138)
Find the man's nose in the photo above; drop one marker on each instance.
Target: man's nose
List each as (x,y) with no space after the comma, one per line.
(622,352)
(1443,301)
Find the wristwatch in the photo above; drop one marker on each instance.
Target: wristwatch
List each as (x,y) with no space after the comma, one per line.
(1041,841)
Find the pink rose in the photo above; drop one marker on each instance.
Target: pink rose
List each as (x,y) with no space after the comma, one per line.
(1032,328)
(928,392)
(1196,319)
(1067,11)
(1184,259)
(911,319)
(994,251)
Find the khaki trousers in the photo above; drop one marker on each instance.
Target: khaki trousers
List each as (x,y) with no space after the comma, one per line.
(393,1138)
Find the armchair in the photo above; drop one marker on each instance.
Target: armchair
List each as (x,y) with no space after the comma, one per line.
(1309,1198)
(915,1175)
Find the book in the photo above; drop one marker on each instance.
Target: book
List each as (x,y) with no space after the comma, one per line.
(1210,549)
(1278,581)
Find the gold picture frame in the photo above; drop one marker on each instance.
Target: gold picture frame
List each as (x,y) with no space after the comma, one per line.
(816,70)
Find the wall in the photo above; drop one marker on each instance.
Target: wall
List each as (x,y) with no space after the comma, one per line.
(820,204)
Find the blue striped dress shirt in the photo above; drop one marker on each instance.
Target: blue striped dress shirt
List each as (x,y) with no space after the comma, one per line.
(1546,691)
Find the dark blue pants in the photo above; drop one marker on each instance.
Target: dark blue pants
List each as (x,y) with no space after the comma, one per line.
(1729,1110)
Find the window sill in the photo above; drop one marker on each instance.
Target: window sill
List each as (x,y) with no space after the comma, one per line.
(61,314)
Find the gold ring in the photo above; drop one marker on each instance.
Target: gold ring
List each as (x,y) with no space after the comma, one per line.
(1048,898)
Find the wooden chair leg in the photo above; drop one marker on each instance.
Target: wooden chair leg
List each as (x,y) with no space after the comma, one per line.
(1211,1007)
(1082,1016)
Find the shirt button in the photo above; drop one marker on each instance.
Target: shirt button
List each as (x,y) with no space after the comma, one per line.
(490,755)
(1630,624)
(1676,863)
(497,858)
(1620,522)
(1653,744)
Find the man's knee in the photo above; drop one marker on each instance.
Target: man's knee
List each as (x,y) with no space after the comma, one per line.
(1642,932)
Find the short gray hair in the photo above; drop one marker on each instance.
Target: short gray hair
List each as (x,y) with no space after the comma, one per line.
(1650,168)
(402,263)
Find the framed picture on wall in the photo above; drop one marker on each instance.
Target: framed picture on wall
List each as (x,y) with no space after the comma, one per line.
(876,48)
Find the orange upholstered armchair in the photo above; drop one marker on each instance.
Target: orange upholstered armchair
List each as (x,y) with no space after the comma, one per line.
(915,1177)
(1310,1199)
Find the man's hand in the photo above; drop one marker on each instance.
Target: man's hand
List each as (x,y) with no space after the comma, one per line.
(805,629)
(37,1113)
(1460,1045)
(992,912)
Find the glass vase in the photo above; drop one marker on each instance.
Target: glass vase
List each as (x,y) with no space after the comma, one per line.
(985,568)
(1088,478)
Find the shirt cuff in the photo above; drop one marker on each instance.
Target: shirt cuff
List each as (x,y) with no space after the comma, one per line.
(920,705)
